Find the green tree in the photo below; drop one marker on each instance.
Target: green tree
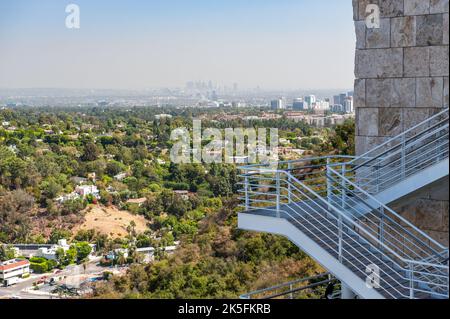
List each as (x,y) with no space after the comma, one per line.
(70,256)
(51,188)
(83,250)
(6,252)
(121,259)
(16,212)
(60,256)
(344,138)
(58,234)
(113,168)
(90,152)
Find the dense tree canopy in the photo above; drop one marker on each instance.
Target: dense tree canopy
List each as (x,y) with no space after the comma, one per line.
(46,153)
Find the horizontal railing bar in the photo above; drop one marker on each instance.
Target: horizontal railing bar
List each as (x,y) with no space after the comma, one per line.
(360,256)
(355,240)
(391,211)
(395,238)
(404,134)
(326,227)
(322,200)
(310,286)
(295,282)
(396,147)
(386,224)
(398,160)
(306,159)
(408,155)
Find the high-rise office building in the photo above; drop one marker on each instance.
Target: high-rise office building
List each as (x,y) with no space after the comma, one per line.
(348,106)
(342,98)
(322,105)
(336,100)
(300,105)
(278,104)
(311,100)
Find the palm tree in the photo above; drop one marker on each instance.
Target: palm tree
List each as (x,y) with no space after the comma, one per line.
(121,259)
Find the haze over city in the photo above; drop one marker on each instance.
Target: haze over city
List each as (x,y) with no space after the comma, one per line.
(231,152)
(274,45)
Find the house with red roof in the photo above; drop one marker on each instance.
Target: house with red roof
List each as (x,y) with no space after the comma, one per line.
(13,269)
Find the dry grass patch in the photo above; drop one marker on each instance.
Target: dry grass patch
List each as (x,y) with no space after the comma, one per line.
(111,221)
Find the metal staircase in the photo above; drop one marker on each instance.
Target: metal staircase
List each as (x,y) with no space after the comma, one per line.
(407,162)
(334,209)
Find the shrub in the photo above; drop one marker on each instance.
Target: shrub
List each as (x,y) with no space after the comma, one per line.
(41,265)
(83,250)
(51,264)
(154,187)
(38,260)
(177,186)
(39,268)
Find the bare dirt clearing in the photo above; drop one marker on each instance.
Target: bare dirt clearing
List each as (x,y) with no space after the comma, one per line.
(111,221)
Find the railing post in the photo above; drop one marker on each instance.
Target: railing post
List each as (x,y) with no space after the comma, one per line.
(343,186)
(246,187)
(291,295)
(378,166)
(403,159)
(289,183)
(411,281)
(278,193)
(329,189)
(340,237)
(381,230)
(448,283)
(343,194)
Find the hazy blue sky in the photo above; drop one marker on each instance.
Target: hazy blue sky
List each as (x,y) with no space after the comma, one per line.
(276,44)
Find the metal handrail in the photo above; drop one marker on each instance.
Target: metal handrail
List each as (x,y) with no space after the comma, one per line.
(371,197)
(407,161)
(344,216)
(290,285)
(386,208)
(405,133)
(306,159)
(361,256)
(357,258)
(398,146)
(399,273)
(378,166)
(365,249)
(396,152)
(417,258)
(348,219)
(387,225)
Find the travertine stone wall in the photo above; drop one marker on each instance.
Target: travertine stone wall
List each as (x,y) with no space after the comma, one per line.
(428,209)
(402,78)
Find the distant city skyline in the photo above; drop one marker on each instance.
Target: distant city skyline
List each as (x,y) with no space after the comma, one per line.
(273,44)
